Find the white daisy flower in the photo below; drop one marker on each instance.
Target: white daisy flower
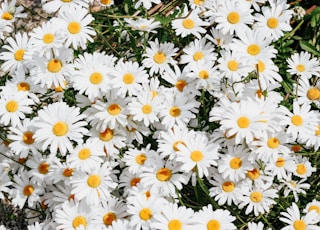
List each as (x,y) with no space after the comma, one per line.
(53,6)
(282,166)
(75,24)
(259,200)
(164,178)
(303,168)
(108,114)
(127,78)
(301,121)
(198,49)
(198,152)
(24,191)
(234,163)
(177,109)
(148,25)
(9,12)
(141,212)
(218,38)
(252,47)
(273,20)
(58,125)
(180,81)
(233,16)
(293,219)
(75,215)
(268,73)
(92,74)
(85,157)
(110,211)
(306,92)
(213,219)
(22,140)
(173,217)
(14,106)
(302,64)
(159,56)
(190,23)
(312,141)
(93,186)
(294,186)
(147,4)
(144,108)
(45,37)
(53,69)
(314,205)
(14,52)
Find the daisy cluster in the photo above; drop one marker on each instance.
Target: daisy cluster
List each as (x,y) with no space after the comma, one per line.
(143,134)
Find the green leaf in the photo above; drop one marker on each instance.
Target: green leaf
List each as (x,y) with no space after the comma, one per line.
(309,48)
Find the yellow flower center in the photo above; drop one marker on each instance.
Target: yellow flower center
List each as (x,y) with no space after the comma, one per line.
(295,148)
(181,84)
(317,132)
(300,68)
(213,225)
(232,65)
(135,181)
(299,225)
(128,78)
(84,154)
(66,0)
(106,135)
(96,78)
(175,111)
(12,106)
(228,186)
(145,214)
(198,2)
(301,169)
(175,145)
(109,218)
(54,66)
(23,86)
(272,23)
(141,158)
(243,122)
(253,49)
(253,174)
(79,220)
(114,109)
(197,56)
(74,27)
(147,109)
(48,38)
(313,94)
(259,93)
(6,16)
(280,162)
(203,74)
(261,67)
(256,197)
(60,128)
(273,143)
(28,138)
(68,172)
(18,55)
(188,23)
(94,181)
(159,57)
(164,174)
(28,190)
(174,225)
(296,120)
(105,2)
(233,17)
(315,208)
(196,156)
(43,168)
(235,163)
